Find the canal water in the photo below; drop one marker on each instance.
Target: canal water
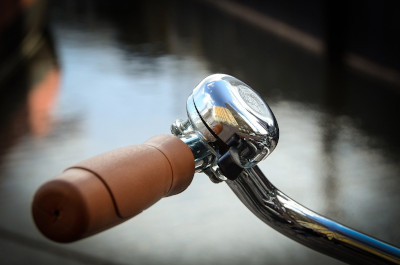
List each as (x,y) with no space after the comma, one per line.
(108,75)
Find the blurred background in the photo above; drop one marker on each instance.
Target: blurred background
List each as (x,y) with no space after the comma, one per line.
(78,78)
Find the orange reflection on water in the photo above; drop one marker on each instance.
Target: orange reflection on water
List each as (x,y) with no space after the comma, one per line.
(41,101)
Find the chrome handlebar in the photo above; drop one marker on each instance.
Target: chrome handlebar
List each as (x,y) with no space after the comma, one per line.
(230,128)
(295,221)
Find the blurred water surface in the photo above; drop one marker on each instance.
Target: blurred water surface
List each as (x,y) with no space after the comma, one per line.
(121,73)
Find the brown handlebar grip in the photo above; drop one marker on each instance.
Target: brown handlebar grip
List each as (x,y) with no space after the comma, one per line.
(110,188)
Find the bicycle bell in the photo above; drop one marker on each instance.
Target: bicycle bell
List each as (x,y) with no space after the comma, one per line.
(234,121)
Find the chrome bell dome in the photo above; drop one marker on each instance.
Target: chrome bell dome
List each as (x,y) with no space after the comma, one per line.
(234,119)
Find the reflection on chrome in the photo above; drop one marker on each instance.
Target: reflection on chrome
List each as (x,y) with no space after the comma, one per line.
(306,227)
(229,114)
(230,129)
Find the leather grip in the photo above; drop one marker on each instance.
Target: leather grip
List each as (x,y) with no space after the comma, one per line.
(110,188)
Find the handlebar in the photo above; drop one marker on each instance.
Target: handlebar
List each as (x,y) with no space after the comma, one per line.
(110,188)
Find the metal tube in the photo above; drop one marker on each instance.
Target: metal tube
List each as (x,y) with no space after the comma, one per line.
(306,227)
